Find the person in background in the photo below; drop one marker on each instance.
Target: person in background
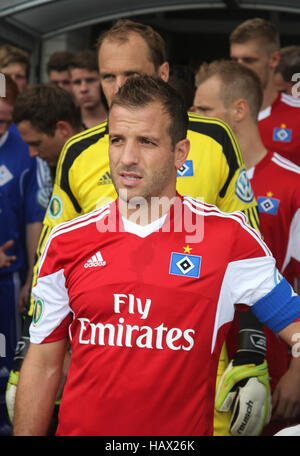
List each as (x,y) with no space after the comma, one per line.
(86,88)
(6,260)
(58,69)
(232,92)
(47,118)
(15,63)
(21,217)
(287,72)
(256,44)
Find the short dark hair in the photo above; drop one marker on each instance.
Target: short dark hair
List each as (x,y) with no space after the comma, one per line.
(289,63)
(140,91)
(60,61)
(85,59)
(124,27)
(43,105)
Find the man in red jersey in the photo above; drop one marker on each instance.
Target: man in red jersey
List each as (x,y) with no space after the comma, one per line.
(214,168)
(231,92)
(145,310)
(255,43)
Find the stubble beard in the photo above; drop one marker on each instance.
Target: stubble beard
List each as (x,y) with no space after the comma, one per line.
(151,189)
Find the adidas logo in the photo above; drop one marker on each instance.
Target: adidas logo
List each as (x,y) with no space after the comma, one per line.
(96,260)
(105,179)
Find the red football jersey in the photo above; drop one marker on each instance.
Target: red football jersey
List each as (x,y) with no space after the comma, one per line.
(146,309)
(276,185)
(279,127)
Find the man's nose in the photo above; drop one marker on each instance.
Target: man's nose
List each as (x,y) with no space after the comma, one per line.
(3,128)
(83,86)
(130,154)
(120,81)
(33,152)
(239,60)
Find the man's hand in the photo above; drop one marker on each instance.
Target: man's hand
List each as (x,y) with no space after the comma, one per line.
(24,296)
(245,390)
(6,260)
(286,396)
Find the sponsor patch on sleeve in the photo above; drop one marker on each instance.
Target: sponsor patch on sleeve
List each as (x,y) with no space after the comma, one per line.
(243,189)
(55,207)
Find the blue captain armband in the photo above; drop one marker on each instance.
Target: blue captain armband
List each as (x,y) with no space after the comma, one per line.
(278,308)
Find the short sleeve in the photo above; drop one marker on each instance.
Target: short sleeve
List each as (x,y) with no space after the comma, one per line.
(52,314)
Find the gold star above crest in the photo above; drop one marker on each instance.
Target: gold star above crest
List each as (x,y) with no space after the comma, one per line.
(187,249)
(270,194)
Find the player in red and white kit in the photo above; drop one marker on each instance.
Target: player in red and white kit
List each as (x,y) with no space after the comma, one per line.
(276,184)
(255,43)
(145,288)
(145,325)
(279,126)
(231,92)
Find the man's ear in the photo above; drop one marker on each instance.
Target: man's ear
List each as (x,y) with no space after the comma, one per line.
(181,152)
(274,59)
(64,128)
(239,110)
(164,71)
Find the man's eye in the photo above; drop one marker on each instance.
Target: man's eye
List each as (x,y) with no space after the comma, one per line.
(146,141)
(115,140)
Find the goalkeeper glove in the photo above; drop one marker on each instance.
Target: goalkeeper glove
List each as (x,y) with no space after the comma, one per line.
(10,394)
(245,389)
(11,389)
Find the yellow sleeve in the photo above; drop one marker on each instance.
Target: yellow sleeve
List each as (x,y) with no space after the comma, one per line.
(214,170)
(82,183)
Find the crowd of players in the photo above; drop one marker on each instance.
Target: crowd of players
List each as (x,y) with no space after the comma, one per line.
(54,167)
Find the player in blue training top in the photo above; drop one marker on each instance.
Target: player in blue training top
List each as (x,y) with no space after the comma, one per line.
(21,217)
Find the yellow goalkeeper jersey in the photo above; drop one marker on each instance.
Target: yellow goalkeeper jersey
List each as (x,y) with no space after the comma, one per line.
(214,171)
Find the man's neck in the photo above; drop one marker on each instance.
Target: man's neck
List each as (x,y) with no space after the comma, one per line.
(252,147)
(147,211)
(270,94)
(93,116)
